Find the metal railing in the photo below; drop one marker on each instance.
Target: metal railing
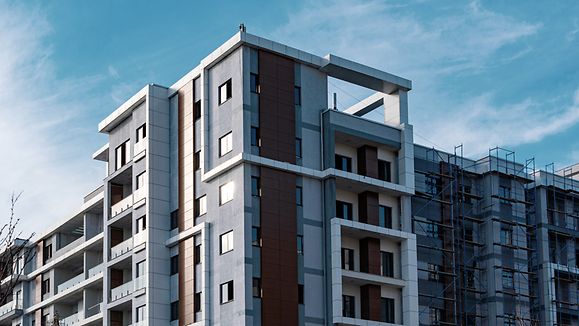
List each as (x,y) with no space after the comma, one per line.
(122,291)
(68,247)
(122,205)
(122,248)
(70,283)
(70,320)
(10,306)
(95,270)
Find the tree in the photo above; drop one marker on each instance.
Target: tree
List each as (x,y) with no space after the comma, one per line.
(15,252)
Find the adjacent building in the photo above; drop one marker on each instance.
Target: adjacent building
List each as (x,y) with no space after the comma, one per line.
(240,195)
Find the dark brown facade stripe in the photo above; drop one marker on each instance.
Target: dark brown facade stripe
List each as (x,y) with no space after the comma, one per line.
(370,256)
(370,302)
(368,208)
(368,161)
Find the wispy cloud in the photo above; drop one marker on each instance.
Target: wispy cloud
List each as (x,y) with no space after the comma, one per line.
(44,152)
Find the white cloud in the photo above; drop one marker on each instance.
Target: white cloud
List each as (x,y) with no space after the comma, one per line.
(44,149)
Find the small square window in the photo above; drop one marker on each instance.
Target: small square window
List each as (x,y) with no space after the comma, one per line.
(297,95)
(226,193)
(225,144)
(298,147)
(174,264)
(254,83)
(226,242)
(256,236)
(255,187)
(174,310)
(226,290)
(256,287)
(201,206)
(343,163)
(225,92)
(299,196)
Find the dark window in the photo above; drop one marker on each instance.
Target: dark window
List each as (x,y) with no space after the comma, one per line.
(254,83)
(141,224)
(197,254)
(299,147)
(174,310)
(384,171)
(45,286)
(344,210)
(122,155)
(196,160)
(435,315)
(433,185)
(300,244)
(385,216)
(256,236)
(508,280)
(433,270)
(256,287)
(343,163)
(254,136)
(197,110)
(348,259)
(255,187)
(47,253)
(387,263)
(197,302)
(174,219)
(509,320)
(299,196)
(297,95)
(469,279)
(348,306)
(226,290)
(507,236)
(300,294)
(141,133)
(224,92)
(387,310)
(468,235)
(505,194)
(174,265)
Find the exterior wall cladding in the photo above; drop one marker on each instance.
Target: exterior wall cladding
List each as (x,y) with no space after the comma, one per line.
(236,197)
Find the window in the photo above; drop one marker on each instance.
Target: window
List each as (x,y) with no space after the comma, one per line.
(197,110)
(506,236)
(298,147)
(122,155)
(255,187)
(140,313)
(141,133)
(174,264)
(174,219)
(197,302)
(255,141)
(384,171)
(343,163)
(385,216)
(226,193)
(348,259)
(433,270)
(256,287)
(47,252)
(299,196)
(344,210)
(45,286)
(201,205)
(174,310)
(225,144)
(225,92)
(226,242)
(297,95)
(197,254)
(254,83)
(508,280)
(256,236)
(469,279)
(505,194)
(141,224)
(348,306)
(226,292)
(387,261)
(433,185)
(387,310)
(435,315)
(509,320)
(300,294)
(300,244)
(140,268)
(196,161)
(140,180)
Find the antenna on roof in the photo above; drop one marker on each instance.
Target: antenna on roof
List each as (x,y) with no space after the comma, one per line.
(242,27)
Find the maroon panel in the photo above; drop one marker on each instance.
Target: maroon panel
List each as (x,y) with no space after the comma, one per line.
(368,161)
(368,208)
(370,256)
(370,302)
(279,277)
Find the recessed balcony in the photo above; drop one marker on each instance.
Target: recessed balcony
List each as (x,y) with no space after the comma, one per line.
(10,310)
(122,248)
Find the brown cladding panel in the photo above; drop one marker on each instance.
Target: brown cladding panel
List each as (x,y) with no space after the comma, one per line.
(368,161)
(368,208)
(370,302)
(370,256)
(279,248)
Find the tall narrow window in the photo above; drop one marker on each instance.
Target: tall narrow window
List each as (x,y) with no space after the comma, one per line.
(141,224)
(256,236)
(174,264)
(433,270)
(299,196)
(140,313)
(297,95)
(45,286)
(300,294)
(298,147)
(47,253)
(255,136)
(255,187)
(226,290)
(201,206)
(256,287)
(140,268)
(141,180)
(225,144)
(122,154)
(225,92)
(435,315)
(348,259)
(387,310)
(300,244)
(384,171)
(343,163)
(348,306)
(254,83)
(197,110)
(226,193)
(226,242)
(141,133)
(506,236)
(174,310)
(174,219)
(385,216)
(197,302)
(344,210)
(197,254)
(196,160)
(387,267)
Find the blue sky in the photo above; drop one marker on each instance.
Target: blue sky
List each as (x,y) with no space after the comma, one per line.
(485,73)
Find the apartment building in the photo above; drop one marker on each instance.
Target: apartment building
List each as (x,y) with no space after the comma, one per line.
(240,195)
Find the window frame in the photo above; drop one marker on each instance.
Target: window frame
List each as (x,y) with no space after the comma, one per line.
(200,206)
(339,160)
(387,263)
(299,196)
(174,265)
(349,210)
(297,95)
(350,264)
(385,222)
(254,86)
(227,147)
(228,244)
(385,170)
(230,294)
(224,190)
(174,314)
(228,92)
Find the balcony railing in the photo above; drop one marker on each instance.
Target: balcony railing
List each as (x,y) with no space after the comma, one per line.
(121,206)
(68,248)
(70,320)
(140,282)
(139,323)
(140,193)
(95,270)
(93,310)
(122,248)
(10,306)
(70,283)
(122,291)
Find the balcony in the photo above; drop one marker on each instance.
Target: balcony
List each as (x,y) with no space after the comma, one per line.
(70,283)
(60,252)
(95,270)
(140,282)
(122,248)
(10,310)
(70,320)
(122,205)
(122,291)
